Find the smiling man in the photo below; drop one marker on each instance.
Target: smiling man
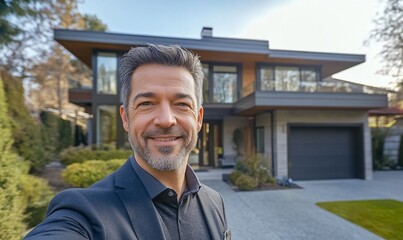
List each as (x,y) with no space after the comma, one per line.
(155,194)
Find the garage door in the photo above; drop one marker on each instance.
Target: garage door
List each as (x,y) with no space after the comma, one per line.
(317,152)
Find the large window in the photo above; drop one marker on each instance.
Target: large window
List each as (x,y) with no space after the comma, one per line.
(260,139)
(106,124)
(288,78)
(205,83)
(106,73)
(220,83)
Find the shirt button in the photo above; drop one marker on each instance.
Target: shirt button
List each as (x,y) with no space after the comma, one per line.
(170,193)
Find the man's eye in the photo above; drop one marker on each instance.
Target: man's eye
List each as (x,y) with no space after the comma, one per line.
(184,105)
(145,104)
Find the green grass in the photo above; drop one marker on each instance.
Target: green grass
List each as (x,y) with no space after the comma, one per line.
(383,217)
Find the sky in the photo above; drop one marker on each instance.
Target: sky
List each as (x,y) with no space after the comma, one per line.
(335,26)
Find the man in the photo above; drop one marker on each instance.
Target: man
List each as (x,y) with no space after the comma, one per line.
(155,194)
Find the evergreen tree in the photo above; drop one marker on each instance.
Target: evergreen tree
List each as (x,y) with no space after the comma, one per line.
(11,205)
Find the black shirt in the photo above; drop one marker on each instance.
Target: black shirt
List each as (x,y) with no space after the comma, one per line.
(181,219)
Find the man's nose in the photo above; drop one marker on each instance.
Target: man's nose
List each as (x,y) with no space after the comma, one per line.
(165,117)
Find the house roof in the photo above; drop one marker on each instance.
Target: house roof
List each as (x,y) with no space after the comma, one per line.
(82,43)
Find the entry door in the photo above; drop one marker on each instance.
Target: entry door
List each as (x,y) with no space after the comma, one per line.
(210,144)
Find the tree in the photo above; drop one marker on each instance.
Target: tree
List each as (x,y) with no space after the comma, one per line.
(11,205)
(16,8)
(57,67)
(389,31)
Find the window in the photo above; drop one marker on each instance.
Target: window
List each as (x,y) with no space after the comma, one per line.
(308,79)
(288,78)
(205,83)
(266,78)
(220,83)
(260,139)
(106,73)
(225,85)
(106,124)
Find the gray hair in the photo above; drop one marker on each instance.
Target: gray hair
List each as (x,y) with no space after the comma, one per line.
(158,54)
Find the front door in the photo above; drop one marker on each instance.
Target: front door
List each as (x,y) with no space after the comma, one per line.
(209,145)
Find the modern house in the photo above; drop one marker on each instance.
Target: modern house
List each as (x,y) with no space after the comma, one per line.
(279,103)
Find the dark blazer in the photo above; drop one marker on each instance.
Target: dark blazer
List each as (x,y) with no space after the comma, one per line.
(118,207)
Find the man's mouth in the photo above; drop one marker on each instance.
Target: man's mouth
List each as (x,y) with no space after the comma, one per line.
(165,139)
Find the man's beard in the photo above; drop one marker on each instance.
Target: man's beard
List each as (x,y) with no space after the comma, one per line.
(165,160)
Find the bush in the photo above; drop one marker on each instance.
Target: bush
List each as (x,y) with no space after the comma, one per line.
(87,173)
(26,131)
(378,141)
(58,130)
(234,176)
(257,167)
(36,195)
(80,155)
(245,182)
(11,204)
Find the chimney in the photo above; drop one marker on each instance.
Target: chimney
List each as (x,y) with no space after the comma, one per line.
(207,32)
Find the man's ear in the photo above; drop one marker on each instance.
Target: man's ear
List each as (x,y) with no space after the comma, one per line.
(124,117)
(200,118)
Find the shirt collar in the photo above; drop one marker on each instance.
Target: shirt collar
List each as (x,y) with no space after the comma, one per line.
(154,187)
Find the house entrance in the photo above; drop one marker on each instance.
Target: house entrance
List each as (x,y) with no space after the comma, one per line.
(209,146)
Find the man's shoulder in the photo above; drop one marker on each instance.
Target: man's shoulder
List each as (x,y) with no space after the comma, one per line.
(208,193)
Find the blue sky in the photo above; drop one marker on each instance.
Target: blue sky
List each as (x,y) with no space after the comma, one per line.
(339,26)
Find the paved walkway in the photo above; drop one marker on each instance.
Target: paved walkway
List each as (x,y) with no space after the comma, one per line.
(292,213)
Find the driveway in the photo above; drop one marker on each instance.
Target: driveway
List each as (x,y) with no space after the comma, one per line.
(292,213)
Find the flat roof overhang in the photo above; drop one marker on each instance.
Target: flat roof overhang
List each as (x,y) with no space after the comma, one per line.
(259,101)
(82,43)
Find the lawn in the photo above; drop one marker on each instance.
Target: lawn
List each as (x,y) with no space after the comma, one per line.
(383,217)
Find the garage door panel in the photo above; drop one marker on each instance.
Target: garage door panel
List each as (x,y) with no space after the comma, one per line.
(323,152)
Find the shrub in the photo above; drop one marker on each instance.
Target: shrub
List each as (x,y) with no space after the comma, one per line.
(58,130)
(255,166)
(240,165)
(87,173)
(36,195)
(245,182)
(80,155)
(378,141)
(27,133)
(11,204)
(234,176)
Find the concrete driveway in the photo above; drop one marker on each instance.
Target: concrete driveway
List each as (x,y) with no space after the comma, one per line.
(292,213)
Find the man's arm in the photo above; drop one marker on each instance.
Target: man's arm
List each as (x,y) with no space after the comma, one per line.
(64,220)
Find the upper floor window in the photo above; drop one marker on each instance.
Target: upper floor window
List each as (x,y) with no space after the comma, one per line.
(221,83)
(288,78)
(106,73)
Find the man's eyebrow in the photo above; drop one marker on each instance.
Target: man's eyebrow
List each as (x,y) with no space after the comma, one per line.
(143,95)
(183,95)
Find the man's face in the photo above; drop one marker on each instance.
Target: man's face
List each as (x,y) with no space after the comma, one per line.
(162,119)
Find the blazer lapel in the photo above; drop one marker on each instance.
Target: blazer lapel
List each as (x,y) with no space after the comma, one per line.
(215,223)
(139,206)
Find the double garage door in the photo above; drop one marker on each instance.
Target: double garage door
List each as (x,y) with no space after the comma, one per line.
(321,152)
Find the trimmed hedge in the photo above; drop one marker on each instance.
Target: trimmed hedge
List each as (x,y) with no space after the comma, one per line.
(80,155)
(36,195)
(11,204)
(87,173)
(27,132)
(245,183)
